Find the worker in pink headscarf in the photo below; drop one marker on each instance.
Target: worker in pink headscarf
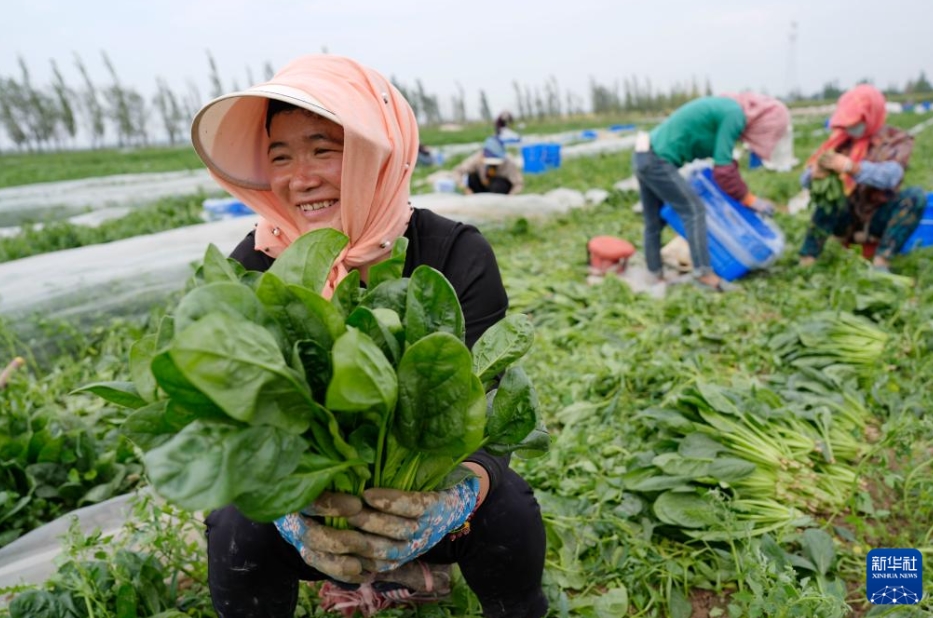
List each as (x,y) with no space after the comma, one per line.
(870,159)
(328,142)
(707,127)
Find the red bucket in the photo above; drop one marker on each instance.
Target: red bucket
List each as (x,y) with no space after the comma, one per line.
(609,254)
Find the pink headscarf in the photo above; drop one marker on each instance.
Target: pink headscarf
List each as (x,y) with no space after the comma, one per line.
(766,121)
(864,103)
(380,150)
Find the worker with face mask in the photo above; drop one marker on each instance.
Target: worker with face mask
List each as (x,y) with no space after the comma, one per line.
(870,158)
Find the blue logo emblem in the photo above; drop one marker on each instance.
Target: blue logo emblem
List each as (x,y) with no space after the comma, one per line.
(894,576)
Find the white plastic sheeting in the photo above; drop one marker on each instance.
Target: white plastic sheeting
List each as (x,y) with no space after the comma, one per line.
(130,275)
(107,277)
(104,191)
(30,558)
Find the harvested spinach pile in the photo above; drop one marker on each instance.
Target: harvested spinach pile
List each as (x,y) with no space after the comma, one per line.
(834,342)
(258,391)
(741,461)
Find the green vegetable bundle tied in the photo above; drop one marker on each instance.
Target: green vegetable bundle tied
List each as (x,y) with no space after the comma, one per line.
(828,192)
(259,392)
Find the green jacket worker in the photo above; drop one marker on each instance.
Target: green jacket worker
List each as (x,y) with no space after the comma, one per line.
(704,128)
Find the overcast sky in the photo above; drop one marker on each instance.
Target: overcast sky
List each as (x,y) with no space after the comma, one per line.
(480,45)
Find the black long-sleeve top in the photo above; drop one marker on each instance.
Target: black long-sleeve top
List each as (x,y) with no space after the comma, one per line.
(465,257)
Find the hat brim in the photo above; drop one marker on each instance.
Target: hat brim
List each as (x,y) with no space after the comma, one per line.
(493,160)
(229,132)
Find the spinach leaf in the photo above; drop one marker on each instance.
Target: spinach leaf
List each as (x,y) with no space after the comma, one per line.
(431,306)
(141,353)
(502,344)
(388,295)
(363,378)
(218,267)
(514,412)
(150,426)
(300,312)
(311,358)
(392,267)
(238,365)
(296,491)
(308,260)
(209,464)
(367,321)
(348,293)
(233,299)
(442,405)
(121,393)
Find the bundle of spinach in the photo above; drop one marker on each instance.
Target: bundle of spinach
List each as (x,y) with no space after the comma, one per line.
(827,191)
(258,391)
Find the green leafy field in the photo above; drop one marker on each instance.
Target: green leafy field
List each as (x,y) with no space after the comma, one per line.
(818,378)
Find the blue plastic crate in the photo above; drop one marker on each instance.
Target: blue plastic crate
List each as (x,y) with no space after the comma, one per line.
(754,161)
(923,235)
(225,208)
(722,262)
(588,134)
(538,158)
(739,239)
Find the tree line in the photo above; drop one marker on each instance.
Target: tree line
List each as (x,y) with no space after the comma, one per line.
(51,117)
(58,115)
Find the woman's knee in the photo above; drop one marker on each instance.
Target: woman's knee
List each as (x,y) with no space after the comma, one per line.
(914,198)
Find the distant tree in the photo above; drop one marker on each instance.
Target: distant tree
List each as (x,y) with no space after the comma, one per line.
(92,106)
(523,112)
(606,100)
(120,112)
(268,71)
(12,102)
(192,101)
(217,87)
(249,76)
(411,97)
(574,104)
(38,112)
(484,112)
(540,109)
(459,105)
(708,91)
(831,91)
(64,96)
(139,114)
(891,90)
(170,112)
(552,96)
(429,104)
(922,85)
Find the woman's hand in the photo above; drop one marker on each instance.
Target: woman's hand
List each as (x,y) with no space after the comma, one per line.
(763,207)
(391,528)
(406,524)
(818,172)
(836,162)
(333,552)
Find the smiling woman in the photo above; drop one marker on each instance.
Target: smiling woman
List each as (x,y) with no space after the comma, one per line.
(328,143)
(305,161)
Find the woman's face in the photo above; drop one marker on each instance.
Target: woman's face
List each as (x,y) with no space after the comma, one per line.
(305,163)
